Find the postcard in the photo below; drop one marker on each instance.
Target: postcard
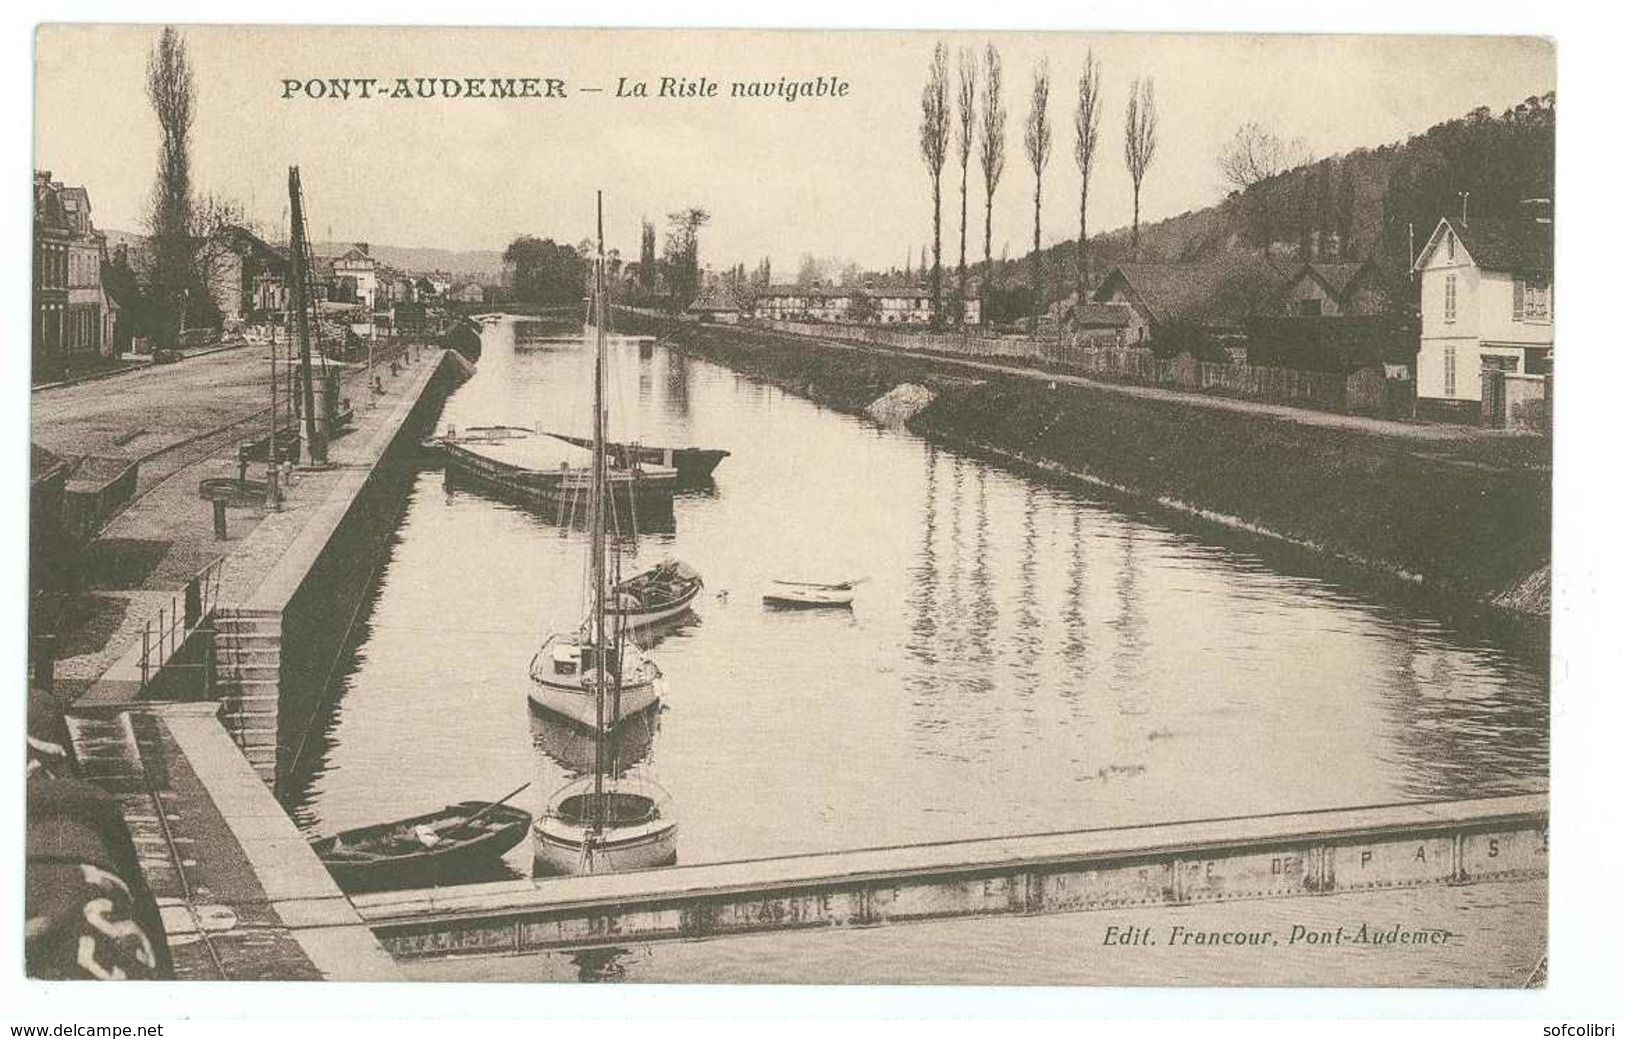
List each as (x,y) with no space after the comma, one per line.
(839,507)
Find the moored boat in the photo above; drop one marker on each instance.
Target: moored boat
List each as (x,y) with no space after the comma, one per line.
(809,594)
(434,846)
(534,469)
(566,677)
(659,593)
(691,463)
(606,820)
(608,825)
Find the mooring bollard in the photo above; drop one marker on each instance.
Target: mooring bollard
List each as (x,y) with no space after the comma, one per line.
(219,519)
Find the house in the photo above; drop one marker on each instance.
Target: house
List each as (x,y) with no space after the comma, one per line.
(854,305)
(473,292)
(73,321)
(718,303)
(1486,303)
(1334,290)
(357,266)
(84,332)
(52,236)
(247,275)
(1210,298)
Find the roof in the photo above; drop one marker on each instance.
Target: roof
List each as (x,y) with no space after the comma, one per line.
(1336,276)
(251,245)
(1498,244)
(719,297)
(848,291)
(1223,290)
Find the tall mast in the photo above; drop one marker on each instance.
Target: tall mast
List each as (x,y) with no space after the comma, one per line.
(299,303)
(596,510)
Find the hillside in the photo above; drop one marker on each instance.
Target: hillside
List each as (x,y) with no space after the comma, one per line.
(483,265)
(1368,199)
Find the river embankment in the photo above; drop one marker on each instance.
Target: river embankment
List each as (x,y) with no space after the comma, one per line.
(1464,518)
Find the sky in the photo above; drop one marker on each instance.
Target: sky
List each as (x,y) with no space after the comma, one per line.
(833,177)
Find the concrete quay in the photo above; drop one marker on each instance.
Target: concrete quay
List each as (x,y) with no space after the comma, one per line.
(1285,855)
(192,741)
(241,895)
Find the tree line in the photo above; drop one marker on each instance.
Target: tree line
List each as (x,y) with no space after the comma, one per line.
(973,120)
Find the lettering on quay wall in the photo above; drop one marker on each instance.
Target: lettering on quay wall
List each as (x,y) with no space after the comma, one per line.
(555,88)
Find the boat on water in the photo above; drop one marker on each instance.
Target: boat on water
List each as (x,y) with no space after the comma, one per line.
(432,847)
(693,464)
(599,825)
(809,594)
(534,469)
(658,594)
(572,679)
(608,820)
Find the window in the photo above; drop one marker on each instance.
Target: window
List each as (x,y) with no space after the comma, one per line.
(1450,297)
(1498,362)
(1449,245)
(1449,371)
(1531,300)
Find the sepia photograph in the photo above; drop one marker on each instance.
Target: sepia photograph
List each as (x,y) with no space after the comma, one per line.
(812,507)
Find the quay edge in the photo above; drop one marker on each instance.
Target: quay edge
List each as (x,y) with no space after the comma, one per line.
(1463,521)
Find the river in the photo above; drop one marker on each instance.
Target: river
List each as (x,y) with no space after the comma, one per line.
(1021,656)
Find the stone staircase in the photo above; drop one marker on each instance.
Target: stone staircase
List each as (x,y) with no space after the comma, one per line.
(248,663)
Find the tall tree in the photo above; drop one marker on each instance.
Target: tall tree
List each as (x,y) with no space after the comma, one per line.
(1256,155)
(170,90)
(646,256)
(934,152)
(992,154)
(1139,142)
(1086,121)
(1037,140)
(683,253)
(966,143)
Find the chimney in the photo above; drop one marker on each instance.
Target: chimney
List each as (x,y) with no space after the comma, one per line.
(1334,247)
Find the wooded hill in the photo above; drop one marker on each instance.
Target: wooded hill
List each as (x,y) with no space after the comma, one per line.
(1367,198)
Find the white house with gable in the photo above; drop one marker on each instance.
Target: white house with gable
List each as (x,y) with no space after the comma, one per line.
(1486,301)
(358,263)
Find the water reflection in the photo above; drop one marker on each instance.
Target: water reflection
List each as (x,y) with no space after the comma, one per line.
(574,750)
(1023,658)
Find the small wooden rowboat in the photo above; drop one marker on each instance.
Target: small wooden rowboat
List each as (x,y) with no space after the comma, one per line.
(809,594)
(656,595)
(434,846)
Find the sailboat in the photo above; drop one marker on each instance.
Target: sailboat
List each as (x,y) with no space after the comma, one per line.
(604,821)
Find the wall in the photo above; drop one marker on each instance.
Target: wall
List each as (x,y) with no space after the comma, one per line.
(319,615)
(1321,390)
(1495,323)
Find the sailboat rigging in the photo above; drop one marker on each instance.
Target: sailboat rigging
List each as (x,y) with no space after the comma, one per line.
(605,821)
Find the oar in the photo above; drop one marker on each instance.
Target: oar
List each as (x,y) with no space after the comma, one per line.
(482,812)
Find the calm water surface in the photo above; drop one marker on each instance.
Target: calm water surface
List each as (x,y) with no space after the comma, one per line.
(1021,657)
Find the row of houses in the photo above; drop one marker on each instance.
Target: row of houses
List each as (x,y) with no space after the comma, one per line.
(74,318)
(1482,291)
(870,304)
(88,298)
(249,278)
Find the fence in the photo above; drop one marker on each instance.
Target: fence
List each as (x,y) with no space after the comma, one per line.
(1366,391)
(187,610)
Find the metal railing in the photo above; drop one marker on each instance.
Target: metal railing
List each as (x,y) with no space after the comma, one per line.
(186,612)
